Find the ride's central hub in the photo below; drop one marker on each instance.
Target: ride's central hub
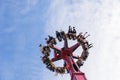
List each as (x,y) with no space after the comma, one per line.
(66,52)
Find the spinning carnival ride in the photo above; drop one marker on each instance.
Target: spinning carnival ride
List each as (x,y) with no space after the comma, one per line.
(66,53)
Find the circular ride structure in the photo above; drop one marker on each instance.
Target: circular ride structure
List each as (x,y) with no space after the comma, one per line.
(66,53)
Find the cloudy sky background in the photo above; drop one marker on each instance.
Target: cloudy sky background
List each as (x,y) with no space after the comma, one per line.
(25,23)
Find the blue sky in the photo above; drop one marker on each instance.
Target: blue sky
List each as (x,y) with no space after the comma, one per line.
(25,23)
(21,31)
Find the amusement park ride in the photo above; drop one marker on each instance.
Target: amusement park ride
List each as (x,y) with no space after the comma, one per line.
(66,53)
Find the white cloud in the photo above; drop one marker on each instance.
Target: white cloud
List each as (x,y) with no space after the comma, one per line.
(101,19)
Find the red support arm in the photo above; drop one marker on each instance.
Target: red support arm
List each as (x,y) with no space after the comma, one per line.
(57,57)
(65,43)
(74,47)
(56,48)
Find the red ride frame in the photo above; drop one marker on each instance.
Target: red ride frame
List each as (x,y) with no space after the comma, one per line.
(66,54)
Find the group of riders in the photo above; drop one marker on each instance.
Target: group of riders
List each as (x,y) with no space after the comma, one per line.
(70,35)
(50,41)
(46,52)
